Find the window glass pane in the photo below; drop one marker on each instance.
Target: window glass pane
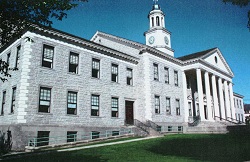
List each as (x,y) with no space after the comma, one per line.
(156,72)
(48,52)
(95,64)
(114,107)
(114,69)
(73,59)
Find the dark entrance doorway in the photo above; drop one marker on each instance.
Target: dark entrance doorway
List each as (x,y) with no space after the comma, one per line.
(129,107)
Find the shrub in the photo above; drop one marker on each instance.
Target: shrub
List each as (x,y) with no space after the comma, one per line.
(5,143)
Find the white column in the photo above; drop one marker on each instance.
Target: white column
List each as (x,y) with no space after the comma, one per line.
(222,104)
(208,94)
(185,102)
(200,93)
(228,112)
(215,97)
(232,99)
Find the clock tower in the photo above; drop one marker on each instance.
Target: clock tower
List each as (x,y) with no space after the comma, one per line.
(158,36)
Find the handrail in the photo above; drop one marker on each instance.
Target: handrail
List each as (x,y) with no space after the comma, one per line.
(42,141)
(196,121)
(227,120)
(141,125)
(154,125)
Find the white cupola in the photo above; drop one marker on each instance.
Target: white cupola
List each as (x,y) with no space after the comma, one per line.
(158,36)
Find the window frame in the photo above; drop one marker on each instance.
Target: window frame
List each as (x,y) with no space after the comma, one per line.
(168,107)
(114,114)
(114,72)
(157,104)
(13,100)
(73,65)
(72,111)
(166,75)
(156,71)
(129,78)
(45,63)
(71,136)
(3,102)
(49,106)
(44,137)
(176,78)
(97,69)
(18,51)
(93,113)
(178,108)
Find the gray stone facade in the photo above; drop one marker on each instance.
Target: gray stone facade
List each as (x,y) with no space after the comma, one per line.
(208,72)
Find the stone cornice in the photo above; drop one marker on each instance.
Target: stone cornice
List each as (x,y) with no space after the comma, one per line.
(56,34)
(160,54)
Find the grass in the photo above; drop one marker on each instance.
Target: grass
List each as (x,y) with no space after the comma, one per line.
(182,147)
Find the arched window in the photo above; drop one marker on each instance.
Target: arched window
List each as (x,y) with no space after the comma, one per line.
(157,21)
(162,21)
(152,19)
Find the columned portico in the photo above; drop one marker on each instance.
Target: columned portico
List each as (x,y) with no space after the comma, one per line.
(227,103)
(221,99)
(184,79)
(231,100)
(208,95)
(200,93)
(215,97)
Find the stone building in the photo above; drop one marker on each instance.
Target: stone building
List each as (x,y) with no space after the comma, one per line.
(70,84)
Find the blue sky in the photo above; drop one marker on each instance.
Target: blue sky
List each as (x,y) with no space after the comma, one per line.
(195,25)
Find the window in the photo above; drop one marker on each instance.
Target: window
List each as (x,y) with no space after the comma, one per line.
(168,106)
(48,54)
(240,104)
(170,128)
(166,75)
(71,136)
(95,134)
(43,138)
(44,100)
(157,21)
(157,104)
(94,105)
(237,102)
(114,107)
(18,50)
(72,103)
(8,62)
(114,72)
(129,76)
(115,133)
(152,19)
(179,128)
(95,68)
(176,78)
(177,107)
(13,102)
(73,62)
(156,74)
(190,108)
(3,102)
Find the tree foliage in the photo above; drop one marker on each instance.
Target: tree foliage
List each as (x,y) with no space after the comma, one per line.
(241,3)
(18,14)
(15,15)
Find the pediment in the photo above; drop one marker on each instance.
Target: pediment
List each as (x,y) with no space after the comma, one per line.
(216,59)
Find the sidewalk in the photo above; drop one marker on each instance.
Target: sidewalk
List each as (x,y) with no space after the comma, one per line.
(106,144)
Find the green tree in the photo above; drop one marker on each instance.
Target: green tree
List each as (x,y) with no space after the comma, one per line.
(15,15)
(240,3)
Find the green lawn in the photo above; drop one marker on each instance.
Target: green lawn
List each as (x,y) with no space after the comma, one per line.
(169,148)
